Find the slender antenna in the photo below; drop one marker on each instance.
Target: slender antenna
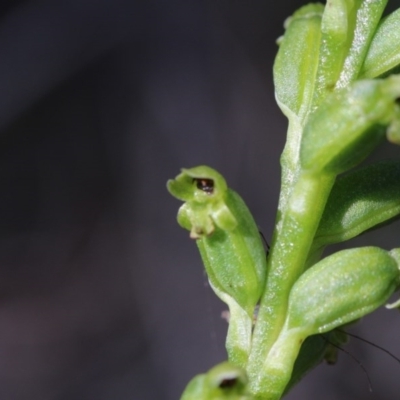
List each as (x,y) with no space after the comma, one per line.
(355,359)
(370,343)
(264,240)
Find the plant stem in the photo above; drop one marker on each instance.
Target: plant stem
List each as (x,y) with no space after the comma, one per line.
(293,237)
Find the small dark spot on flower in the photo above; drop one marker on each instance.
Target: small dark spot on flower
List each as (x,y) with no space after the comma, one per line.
(206,185)
(228,383)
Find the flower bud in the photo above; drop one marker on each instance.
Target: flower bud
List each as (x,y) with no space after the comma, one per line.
(384,51)
(349,124)
(222,382)
(297,61)
(341,288)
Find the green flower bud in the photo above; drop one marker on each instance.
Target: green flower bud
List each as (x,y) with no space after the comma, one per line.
(227,236)
(337,23)
(367,15)
(349,124)
(395,253)
(384,52)
(223,382)
(341,288)
(297,61)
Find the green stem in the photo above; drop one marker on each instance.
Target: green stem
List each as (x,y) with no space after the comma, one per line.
(281,359)
(293,237)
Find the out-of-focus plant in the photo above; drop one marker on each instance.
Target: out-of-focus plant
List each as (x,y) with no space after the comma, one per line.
(334,82)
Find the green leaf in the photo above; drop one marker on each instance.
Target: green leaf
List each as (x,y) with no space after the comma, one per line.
(359,201)
(384,52)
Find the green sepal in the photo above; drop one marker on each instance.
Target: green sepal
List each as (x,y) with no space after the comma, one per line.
(349,124)
(225,381)
(297,60)
(341,288)
(384,52)
(360,200)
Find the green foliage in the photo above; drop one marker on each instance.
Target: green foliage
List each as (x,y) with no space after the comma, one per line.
(326,80)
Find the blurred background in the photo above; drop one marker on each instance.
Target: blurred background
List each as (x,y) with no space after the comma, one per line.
(102,294)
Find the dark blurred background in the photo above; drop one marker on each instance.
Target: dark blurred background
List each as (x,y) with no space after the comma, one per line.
(102,295)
